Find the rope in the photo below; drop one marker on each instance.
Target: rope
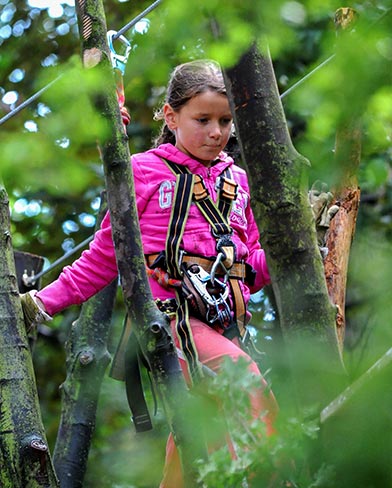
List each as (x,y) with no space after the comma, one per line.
(135,21)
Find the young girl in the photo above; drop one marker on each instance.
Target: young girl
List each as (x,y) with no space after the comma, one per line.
(206,256)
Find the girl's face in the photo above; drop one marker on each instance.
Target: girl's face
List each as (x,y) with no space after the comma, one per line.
(202,126)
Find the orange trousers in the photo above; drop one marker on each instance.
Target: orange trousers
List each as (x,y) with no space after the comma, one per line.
(212,348)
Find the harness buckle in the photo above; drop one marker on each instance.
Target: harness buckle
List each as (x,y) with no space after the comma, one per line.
(226,187)
(225,257)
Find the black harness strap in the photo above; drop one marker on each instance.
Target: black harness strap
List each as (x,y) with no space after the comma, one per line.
(126,367)
(212,213)
(227,192)
(178,217)
(184,333)
(216,216)
(134,387)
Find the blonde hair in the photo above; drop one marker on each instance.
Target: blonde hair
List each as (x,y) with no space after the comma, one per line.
(187,81)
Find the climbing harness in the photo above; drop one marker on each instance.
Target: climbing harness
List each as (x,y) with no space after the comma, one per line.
(204,285)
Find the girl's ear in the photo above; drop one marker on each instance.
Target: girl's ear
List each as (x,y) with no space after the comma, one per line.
(170,117)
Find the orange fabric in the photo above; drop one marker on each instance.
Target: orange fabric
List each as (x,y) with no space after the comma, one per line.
(172,473)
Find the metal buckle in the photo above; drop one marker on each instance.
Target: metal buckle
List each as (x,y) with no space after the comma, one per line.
(222,241)
(221,311)
(226,187)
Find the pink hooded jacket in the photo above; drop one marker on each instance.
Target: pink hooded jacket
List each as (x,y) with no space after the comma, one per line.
(154,188)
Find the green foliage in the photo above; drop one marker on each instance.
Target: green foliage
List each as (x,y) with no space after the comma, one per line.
(380,126)
(119,456)
(49,160)
(259,459)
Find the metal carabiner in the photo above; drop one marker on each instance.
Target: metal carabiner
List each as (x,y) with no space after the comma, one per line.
(218,261)
(119,61)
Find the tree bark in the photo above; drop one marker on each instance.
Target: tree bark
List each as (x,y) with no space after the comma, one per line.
(346,195)
(342,228)
(278,186)
(151,327)
(87,360)
(24,455)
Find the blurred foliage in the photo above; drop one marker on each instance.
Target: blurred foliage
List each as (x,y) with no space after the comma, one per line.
(51,169)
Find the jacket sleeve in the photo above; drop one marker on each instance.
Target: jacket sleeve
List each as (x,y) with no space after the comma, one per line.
(89,274)
(256,256)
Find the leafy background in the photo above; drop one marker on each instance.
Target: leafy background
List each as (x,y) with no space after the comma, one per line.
(51,168)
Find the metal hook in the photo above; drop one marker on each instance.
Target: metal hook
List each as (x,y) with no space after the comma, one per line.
(119,61)
(218,261)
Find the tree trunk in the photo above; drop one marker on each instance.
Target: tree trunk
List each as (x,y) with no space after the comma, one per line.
(278,184)
(24,457)
(151,327)
(87,360)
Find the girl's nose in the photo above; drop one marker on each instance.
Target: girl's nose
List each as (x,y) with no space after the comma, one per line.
(215,131)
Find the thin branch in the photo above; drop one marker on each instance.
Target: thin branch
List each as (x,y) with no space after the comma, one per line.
(340,401)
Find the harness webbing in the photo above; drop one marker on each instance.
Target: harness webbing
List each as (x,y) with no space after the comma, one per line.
(179,215)
(212,213)
(188,187)
(185,336)
(217,216)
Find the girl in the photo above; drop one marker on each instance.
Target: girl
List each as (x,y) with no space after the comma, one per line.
(209,264)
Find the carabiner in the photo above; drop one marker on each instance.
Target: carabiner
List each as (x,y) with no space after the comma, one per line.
(119,61)
(218,261)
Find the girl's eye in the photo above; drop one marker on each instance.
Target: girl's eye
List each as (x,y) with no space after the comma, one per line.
(226,121)
(202,120)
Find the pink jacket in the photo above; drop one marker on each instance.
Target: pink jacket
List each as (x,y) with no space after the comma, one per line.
(154,188)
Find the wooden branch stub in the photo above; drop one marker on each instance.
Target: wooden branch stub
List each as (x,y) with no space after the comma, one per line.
(339,239)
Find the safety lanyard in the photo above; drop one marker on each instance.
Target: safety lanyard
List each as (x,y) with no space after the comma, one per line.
(119,62)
